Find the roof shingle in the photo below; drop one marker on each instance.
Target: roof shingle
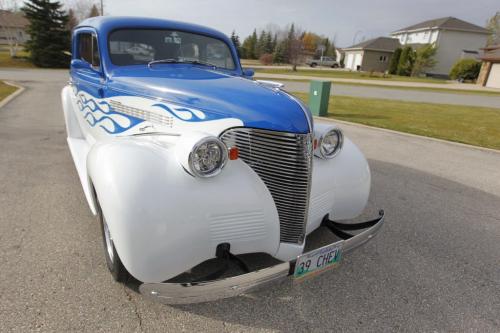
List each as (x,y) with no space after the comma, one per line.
(449,23)
(12,20)
(380,43)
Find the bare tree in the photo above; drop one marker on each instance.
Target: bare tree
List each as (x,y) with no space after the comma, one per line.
(81,8)
(493,25)
(295,47)
(8,26)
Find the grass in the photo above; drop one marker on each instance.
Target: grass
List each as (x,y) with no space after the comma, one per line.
(6,90)
(438,90)
(471,125)
(341,74)
(20,61)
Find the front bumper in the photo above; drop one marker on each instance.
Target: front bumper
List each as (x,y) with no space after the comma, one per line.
(185,293)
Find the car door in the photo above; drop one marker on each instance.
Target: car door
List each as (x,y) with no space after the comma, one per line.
(87,74)
(88,79)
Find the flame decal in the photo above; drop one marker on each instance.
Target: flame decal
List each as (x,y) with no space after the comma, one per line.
(183,113)
(101,114)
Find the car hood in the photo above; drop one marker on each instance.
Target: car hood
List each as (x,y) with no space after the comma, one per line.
(217,94)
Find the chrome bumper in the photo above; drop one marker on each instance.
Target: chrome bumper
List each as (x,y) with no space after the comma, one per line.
(185,293)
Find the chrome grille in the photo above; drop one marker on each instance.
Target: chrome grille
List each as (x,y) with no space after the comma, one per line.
(283,162)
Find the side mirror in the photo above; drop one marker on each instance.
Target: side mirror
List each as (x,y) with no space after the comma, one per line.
(248,72)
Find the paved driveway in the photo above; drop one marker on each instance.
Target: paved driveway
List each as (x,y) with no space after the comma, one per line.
(434,267)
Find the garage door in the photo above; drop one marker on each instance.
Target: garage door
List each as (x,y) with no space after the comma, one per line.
(350,60)
(357,61)
(494,77)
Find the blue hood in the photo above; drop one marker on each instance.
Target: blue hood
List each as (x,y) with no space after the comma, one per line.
(218,94)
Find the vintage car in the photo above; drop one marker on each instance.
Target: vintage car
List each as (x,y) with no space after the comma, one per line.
(187,160)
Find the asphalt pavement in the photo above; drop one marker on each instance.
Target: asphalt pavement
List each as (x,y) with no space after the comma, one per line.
(435,266)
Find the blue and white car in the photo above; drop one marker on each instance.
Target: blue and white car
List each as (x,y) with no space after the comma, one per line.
(186,161)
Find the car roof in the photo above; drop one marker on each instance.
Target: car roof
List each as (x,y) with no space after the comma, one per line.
(106,24)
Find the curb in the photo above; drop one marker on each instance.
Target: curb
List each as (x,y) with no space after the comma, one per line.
(16,93)
(463,145)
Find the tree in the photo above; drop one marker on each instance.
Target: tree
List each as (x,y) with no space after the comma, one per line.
(295,48)
(48,32)
(94,11)
(405,61)
(260,46)
(393,66)
(493,25)
(279,55)
(249,45)
(236,42)
(72,21)
(424,59)
(268,43)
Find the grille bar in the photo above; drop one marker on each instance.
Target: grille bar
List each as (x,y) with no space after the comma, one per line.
(283,162)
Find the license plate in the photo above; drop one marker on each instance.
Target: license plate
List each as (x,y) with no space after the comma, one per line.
(317,261)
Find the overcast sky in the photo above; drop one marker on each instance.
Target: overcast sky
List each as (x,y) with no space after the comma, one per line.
(343,20)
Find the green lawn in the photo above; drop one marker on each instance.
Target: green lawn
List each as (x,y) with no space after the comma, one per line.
(472,125)
(7,61)
(340,74)
(6,90)
(442,90)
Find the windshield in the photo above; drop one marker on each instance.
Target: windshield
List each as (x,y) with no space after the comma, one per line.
(141,46)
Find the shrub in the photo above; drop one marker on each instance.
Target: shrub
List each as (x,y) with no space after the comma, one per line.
(393,67)
(266,59)
(406,59)
(465,69)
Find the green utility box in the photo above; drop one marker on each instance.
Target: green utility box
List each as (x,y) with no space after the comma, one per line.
(319,95)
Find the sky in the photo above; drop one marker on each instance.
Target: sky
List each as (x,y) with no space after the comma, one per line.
(347,21)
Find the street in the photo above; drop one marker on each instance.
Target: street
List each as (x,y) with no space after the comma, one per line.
(419,96)
(435,266)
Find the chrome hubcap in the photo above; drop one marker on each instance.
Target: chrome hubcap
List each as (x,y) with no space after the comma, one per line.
(109,241)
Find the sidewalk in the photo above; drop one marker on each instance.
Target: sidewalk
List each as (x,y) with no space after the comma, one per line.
(457,86)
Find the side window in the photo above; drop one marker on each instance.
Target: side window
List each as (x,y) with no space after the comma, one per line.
(88,49)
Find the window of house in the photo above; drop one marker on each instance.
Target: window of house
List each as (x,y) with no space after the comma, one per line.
(88,49)
(383,58)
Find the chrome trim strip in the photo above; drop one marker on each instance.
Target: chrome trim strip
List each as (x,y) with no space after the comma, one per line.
(142,114)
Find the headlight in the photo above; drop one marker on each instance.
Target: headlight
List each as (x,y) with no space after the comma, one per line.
(330,143)
(201,154)
(208,157)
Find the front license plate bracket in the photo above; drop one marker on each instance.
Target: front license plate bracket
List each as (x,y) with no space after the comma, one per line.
(318,261)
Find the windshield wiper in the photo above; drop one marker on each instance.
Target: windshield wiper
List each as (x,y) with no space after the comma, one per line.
(204,63)
(164,61)
(179,61)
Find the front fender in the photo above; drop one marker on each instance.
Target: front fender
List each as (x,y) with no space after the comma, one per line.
(164,221)
(340,186)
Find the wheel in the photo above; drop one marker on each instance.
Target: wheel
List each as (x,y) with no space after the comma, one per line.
(313,64)
(115,266)
(335,66)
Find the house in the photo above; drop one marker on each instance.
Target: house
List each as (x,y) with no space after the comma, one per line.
(371,55)
(490,70)
(455,39)
(13,27)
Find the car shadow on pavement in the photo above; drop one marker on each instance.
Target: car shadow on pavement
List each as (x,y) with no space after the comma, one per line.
(413,276)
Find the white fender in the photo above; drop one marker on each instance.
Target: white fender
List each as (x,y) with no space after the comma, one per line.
(164,221)
(340,186)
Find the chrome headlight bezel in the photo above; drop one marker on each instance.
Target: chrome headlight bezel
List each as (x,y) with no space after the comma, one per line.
(321,150)
(221,163)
